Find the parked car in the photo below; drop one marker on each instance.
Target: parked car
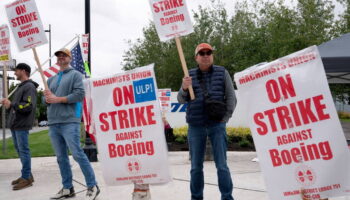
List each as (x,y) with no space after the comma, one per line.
(43,123)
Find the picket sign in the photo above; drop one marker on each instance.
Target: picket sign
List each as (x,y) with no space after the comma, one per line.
(27,28)
(172,20)
(164,96)
(129,129)
(5,54)
(297,133)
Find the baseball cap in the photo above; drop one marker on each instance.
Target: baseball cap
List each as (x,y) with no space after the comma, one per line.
(65,51)
(23,66)
(201,47)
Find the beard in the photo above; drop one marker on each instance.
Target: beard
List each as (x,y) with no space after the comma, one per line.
(19,78)
(63,63)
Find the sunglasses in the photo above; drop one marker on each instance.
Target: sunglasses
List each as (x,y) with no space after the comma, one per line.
(203,53)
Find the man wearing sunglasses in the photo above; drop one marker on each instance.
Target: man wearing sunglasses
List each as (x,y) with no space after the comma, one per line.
(209,82)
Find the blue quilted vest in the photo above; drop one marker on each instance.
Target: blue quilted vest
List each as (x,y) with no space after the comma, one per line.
(214,80)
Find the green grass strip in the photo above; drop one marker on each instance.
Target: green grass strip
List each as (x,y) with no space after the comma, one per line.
(39,144)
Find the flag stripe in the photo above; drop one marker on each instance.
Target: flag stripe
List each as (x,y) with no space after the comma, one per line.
(54,69)
(47,74)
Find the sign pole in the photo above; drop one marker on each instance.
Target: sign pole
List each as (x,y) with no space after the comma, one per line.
(4,111)
(40,68)
(183,63)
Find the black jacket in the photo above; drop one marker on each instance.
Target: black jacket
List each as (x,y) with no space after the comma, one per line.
(23,105)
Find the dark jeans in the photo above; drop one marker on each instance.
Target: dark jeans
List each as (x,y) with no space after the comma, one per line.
(197,141)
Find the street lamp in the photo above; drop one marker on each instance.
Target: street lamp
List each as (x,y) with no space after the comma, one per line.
(49,31)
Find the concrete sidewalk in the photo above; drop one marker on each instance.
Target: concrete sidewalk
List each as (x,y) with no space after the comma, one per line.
(247,177)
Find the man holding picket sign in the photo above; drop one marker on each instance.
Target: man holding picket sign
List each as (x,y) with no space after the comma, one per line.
(172,21)
(64,98)
(207,115)
(20,121)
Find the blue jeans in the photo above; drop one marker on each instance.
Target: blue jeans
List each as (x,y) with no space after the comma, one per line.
(197,136)
(20,141)
(66,136)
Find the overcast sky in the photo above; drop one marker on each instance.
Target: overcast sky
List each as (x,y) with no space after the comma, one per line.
(113,22)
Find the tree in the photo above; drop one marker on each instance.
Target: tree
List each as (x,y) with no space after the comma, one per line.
(41,113)
(256,32)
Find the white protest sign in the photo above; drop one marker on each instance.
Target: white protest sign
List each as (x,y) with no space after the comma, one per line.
(85,46)
(295,126)
(171,18)
(5,51)
(129,128)
(26,24)
(165,99)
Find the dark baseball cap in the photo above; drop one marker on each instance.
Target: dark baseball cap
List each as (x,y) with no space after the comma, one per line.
(23,66)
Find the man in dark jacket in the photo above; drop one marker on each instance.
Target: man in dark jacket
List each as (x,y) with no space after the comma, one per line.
(209,82)
(20,121)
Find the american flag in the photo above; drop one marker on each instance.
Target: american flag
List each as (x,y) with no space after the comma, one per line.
(77,63)
(77,59)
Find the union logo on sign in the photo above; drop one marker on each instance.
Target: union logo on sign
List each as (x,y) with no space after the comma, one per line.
(305,175)
(133,166)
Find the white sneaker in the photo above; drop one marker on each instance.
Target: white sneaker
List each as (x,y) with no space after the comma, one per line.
(64,193)
(141,195)
(92,193)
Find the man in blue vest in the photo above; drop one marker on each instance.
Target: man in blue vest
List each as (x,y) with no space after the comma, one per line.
(209,82)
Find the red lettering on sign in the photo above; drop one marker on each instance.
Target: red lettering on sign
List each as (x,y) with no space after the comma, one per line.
(123,96)
(21,9)
(308,152)
(284,85)
(122,119)
(310,109)
(167,5)
(24,19)
(140,148)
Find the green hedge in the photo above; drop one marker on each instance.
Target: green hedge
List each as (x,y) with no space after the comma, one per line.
(240,135)
(344,115)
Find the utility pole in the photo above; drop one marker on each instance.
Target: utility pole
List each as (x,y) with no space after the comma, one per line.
(87,28)
(89,148)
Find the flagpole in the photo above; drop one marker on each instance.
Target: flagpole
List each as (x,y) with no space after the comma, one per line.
(89,149)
